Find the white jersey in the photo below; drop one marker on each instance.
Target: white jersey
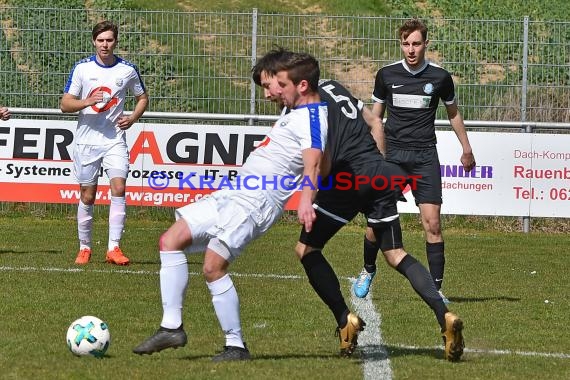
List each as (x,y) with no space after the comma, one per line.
(239,215)
(276,164)
(97,124)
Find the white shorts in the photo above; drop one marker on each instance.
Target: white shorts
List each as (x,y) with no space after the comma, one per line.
(234,217)
(88,159)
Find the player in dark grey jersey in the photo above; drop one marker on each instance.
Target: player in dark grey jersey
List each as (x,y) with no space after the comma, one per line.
(410,91)
(352,152)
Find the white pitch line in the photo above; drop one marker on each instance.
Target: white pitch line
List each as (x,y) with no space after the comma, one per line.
(493,352)
(73,270)
(145,272)
(374,351)
(375,361)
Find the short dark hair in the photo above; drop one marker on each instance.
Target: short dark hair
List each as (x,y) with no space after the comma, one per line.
(299,66)
(268,63)
(104,26)
(411,26)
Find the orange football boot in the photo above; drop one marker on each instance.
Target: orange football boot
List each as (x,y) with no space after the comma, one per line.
(116,256)
(83,256)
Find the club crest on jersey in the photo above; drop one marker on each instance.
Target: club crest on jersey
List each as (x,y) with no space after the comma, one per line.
(119,82)
(428,88)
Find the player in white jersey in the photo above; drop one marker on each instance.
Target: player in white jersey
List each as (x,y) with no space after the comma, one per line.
(4,113)
(225,222)
(97,87)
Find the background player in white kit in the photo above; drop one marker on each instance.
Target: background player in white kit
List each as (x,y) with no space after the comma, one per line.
(97,88)
(224,223)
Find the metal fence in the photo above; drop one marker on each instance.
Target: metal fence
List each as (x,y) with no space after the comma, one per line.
(508,73)
(199,62)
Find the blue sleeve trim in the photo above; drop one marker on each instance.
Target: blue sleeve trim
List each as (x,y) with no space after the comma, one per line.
(84,60)
(315,125)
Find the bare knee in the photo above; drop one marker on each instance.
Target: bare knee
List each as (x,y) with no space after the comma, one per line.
(214,267)
(432,226)
(165,242)
(302,249)
(431,221)
(211,271)
(88,195)
(370,235)
(176,238)
(119,190)
(394,256)
(88,199)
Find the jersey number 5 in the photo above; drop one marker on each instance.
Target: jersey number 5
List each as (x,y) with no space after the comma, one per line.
(349,110)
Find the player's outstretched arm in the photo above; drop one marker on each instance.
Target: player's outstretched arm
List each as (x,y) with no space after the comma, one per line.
(456,120)
(305,211)
(376,128)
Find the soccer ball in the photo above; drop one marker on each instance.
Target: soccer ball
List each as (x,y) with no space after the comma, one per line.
(88,336)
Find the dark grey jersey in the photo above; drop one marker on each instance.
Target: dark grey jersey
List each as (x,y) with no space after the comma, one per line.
(411,99)
(349,143)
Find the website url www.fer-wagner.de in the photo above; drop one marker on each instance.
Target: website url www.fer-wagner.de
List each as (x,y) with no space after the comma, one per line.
(156,198)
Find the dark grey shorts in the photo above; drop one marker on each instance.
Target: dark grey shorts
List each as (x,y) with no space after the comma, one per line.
(425,165)
(340,203)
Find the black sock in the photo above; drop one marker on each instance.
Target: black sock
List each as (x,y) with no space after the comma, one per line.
(422,283)
(179,328)
(325,282)
(370,255)
(436,262)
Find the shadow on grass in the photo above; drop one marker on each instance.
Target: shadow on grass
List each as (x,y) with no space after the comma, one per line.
(369,353)
(138,262)
(157,262)
(277,357)
(482,299)
(378,353)
(3,251)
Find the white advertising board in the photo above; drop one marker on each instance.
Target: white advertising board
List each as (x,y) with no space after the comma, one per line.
(517,174)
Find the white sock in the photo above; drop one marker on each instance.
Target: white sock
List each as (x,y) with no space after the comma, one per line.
(173,284)
(117,216)
(226,304)
(84,224)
